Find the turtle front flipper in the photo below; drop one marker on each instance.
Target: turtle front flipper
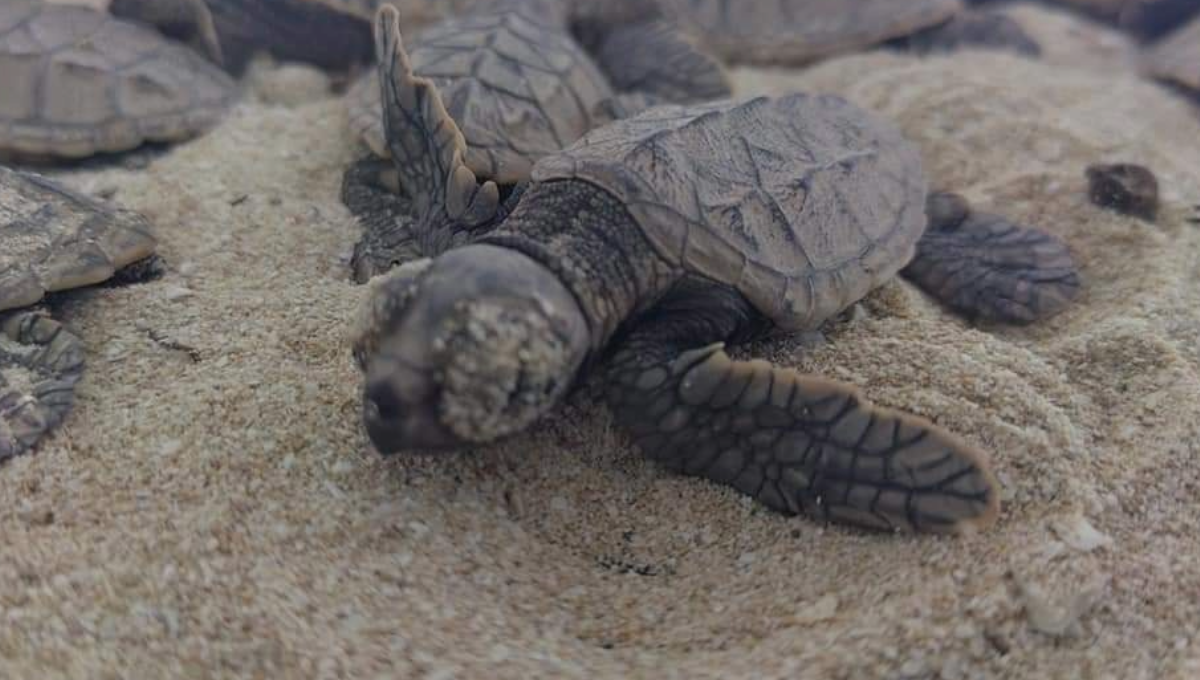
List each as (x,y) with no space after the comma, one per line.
(370,191)
(428,150)
(40,363)
(986,267)
(658,59)
(797,443)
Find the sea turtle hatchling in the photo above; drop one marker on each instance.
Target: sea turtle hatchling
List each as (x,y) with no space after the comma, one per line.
(77,82)
(647,245)
(799,32)
(51,239)
(330,34)
(516,87)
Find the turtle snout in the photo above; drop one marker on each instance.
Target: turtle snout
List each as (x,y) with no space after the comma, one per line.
(400,413)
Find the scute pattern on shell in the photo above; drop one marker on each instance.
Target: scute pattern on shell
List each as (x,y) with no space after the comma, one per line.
(517,89)
(803,203)
(77,82)
(800,31)
(54,239)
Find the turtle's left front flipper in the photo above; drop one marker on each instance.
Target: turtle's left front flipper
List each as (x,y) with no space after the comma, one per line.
(798,443)
(657,59)
(987,267)
(40,364)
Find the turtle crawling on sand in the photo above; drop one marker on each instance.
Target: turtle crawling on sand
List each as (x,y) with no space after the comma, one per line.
(78,82)
(517,87)
(644,247)
(799,32)
(51,239)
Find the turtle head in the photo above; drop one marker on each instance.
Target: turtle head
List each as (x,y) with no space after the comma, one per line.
(465,349)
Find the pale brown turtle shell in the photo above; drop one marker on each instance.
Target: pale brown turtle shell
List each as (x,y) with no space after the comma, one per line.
(797,32)
(54,239)
(1177,58)
(77,82)
(517,88)
(803,203)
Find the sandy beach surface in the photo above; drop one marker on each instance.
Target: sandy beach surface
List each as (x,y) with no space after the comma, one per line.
(212,509)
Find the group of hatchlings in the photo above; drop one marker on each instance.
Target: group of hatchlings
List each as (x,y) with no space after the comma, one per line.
(553,189)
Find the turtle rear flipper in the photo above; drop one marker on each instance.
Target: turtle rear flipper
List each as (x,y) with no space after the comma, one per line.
(658,59)
(986,267)
(428,149)
(797,443)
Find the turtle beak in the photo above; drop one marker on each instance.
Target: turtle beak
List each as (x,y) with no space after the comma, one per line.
(400,410)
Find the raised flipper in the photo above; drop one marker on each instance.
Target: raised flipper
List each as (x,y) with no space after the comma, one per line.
(40,363)
(658,59)
(797,443)
(428,149)
(986,267)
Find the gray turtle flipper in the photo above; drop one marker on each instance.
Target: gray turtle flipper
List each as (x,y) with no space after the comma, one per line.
(370,191)
(40,363)
(658,59)
(986,267)
(797,443)
(980,30)
(428,150)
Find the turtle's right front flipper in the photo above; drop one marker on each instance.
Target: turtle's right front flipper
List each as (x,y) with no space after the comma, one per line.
(797,443)
(428,149)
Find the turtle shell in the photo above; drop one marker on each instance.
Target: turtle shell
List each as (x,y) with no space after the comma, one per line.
(801,31)
(77,82)
(519,89)
(803,203)
(54,239)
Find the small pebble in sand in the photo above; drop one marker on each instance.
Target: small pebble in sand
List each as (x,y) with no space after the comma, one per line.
(1079,534)
(1124,187)
(177,293)
(1059,619)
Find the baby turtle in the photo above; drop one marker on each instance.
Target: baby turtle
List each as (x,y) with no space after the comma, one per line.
(501,88)
(1124,187)
(972,30)
(647,245)
(798,32)
(1176,60)
(78,82)
(51,239)
(331,34)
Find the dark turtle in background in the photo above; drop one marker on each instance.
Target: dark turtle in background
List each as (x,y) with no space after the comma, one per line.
(800,32)
(51,239)
(640,250)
